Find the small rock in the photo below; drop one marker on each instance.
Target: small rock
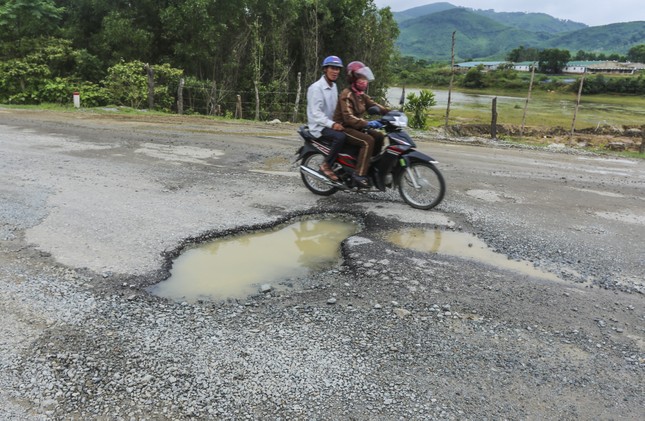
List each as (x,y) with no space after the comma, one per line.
(402,313)
(331,301)
(266,288)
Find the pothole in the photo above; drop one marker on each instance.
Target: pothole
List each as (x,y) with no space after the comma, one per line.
(461,245)
(236,266)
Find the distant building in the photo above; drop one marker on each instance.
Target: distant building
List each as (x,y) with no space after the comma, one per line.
(616,67)
(578,67)
(524,66)
(488,65)
(572,67)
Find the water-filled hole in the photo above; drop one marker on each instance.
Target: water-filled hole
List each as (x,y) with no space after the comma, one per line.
(462,245)
(236,266)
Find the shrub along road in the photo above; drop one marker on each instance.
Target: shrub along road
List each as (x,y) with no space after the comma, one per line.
(92,205)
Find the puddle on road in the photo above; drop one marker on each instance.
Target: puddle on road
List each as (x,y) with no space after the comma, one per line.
(462,245)
(236,266)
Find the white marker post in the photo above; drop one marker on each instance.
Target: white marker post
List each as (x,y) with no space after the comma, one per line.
(77,100)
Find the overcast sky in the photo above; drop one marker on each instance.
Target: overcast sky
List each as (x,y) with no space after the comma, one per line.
(590,12)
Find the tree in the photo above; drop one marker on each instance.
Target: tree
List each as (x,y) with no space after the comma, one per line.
(522,54)
(636,54)
(28,18)
(553,60)
(474,78)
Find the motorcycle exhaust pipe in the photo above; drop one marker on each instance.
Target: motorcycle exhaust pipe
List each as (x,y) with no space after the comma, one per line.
(316,174)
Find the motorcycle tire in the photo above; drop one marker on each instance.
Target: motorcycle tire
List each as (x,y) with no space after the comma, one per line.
(315,185)
(430,189)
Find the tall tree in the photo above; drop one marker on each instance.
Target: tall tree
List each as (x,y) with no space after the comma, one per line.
(637,54)
(553,60)
(28,18)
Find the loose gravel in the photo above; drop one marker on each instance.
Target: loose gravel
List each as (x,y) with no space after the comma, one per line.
(389,334)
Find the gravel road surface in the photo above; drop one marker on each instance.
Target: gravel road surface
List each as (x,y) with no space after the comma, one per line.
(94,206)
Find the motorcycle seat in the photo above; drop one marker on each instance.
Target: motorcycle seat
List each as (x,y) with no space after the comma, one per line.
(304,132)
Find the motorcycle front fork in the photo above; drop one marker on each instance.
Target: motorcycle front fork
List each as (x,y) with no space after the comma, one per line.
(413,177)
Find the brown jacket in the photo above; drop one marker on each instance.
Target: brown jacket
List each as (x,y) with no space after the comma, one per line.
(352,107)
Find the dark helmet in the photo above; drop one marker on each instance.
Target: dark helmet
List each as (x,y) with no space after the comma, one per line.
(333,61)
(356,69)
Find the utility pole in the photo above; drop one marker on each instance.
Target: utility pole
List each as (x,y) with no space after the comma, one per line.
(452,77)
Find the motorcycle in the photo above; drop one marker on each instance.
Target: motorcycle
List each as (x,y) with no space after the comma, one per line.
(399,165)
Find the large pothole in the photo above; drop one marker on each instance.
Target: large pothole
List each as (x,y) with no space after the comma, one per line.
(237,266)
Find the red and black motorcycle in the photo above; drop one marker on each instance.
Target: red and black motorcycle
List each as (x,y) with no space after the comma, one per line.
(399,165)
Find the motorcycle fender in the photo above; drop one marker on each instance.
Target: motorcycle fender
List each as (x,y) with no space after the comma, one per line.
(413,156)
(305,150)
(416,156)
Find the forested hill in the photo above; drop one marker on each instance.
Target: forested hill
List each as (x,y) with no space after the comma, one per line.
(426,31)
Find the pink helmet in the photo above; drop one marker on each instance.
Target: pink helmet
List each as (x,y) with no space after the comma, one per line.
(356,69)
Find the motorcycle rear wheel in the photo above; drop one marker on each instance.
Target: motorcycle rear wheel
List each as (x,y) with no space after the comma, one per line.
(315,185)
(430,185)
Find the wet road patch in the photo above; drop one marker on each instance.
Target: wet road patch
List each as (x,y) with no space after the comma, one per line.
(463,245)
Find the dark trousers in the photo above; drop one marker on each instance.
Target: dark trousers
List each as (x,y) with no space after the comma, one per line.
(337,141)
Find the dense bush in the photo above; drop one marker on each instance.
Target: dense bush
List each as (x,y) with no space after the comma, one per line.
(127,84)
(419,105)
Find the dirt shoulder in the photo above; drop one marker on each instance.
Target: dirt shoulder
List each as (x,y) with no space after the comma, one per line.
(91,206)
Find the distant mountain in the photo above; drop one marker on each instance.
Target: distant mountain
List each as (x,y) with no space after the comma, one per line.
(415,12)
(426,31)
(616,38)
(534,22)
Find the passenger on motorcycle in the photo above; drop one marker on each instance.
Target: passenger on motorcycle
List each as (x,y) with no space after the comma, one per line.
(352,105)
(322,98)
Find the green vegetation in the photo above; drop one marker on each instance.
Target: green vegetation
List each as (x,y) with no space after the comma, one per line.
(411,72)
(51,48)
(419,105)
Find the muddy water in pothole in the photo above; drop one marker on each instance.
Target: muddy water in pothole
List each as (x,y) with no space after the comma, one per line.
(462,245)
(235,267)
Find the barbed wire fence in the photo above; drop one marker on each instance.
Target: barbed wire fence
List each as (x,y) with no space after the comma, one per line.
(205,98)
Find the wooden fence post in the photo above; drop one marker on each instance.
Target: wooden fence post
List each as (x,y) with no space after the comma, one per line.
(151,86)
(257,100)
(528,98)
(575,111)
(642,148)
(493,123)
(238,107)
(180,97)
(213,106)
(294,118)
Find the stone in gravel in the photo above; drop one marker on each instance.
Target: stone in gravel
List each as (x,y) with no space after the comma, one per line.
(402,313)
(331,301)
(266,288)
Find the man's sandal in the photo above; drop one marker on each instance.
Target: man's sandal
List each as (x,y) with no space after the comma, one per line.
(324,168)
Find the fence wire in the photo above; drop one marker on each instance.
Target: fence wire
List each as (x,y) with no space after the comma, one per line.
(206,100)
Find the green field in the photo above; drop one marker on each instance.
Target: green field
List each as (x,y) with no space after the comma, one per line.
(551,109)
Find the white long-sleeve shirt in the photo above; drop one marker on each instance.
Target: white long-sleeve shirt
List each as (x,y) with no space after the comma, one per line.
(321,104)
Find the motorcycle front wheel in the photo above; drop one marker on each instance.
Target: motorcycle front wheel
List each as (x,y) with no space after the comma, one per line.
(421,185)
(314,184)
